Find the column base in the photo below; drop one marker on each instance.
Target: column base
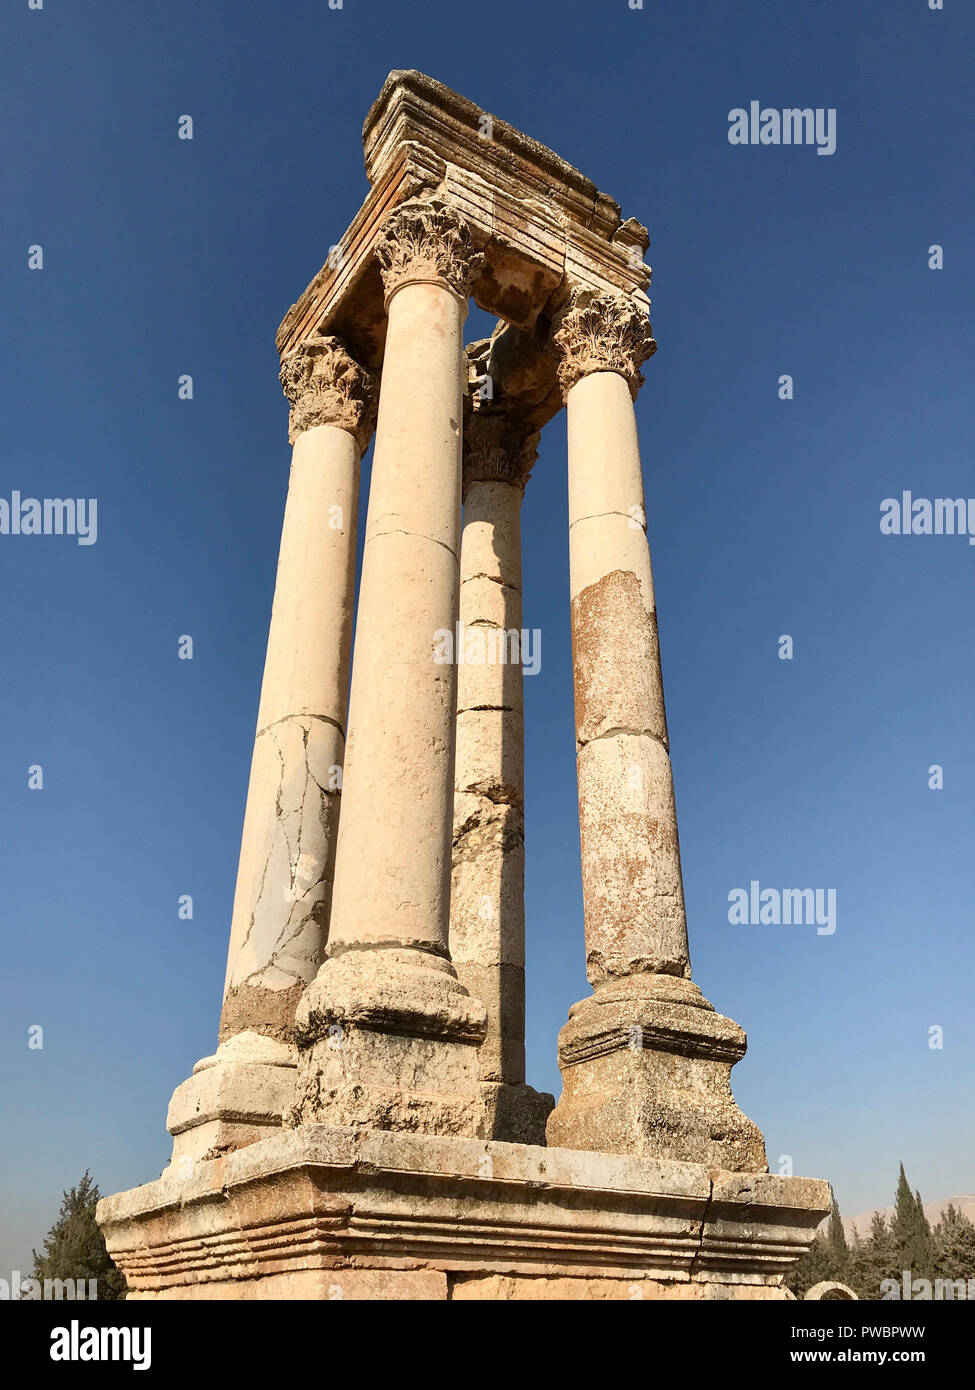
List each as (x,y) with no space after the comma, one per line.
(516,1114)
(388,1039)
(646,1065)
(236,1097)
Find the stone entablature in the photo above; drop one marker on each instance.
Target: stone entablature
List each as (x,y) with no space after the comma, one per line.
(543,227)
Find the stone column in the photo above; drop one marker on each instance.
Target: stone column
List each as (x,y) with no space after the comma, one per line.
(487,906)
(645,1060)
(388,1034)
(284,878)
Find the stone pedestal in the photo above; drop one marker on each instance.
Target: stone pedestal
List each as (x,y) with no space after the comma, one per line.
(326,1213)
(646,1066)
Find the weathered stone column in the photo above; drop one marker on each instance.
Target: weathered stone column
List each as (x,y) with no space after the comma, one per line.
(645,1061)
(487,905)
(284,878)
(388,1034)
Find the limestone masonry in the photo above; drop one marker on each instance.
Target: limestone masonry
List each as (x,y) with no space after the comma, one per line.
(364,1128)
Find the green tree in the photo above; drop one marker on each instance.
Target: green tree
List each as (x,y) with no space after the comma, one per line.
(74,1247)
(811,1267)
(827,1258)
(873,1259)
(839,1251)
(954,1242)
(911,1231)
(924,1251)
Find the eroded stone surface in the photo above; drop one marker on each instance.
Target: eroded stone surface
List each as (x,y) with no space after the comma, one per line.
(487,914)
(326,386)
(300,1212)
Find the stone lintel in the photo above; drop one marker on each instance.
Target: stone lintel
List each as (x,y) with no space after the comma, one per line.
(280,1212)
(543,226)
(346,298)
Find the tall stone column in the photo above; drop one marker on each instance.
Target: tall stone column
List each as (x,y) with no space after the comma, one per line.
(645,1060)
(284,877)
(388,1034)
(487,906)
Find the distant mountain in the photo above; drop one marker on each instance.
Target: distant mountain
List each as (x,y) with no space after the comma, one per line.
(932,1210)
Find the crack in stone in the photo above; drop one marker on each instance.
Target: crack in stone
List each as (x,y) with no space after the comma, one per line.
(301,911)
(322,718)
(628,516)
(700,1235)
(398,531)
(473,709)
(260,887)
(622,730)
(494,579)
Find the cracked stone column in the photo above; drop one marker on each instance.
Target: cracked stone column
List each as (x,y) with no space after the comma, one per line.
(284,876)
(487,907)
(645,1060)
(388,1034)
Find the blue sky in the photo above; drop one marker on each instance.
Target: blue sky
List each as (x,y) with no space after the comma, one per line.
(164,257)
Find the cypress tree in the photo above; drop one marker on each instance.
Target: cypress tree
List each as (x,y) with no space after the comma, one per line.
(812,1267)
(873,1259)
(838,1250)
(904,1226)
(954,1240)
(924,1254)
(74,1247)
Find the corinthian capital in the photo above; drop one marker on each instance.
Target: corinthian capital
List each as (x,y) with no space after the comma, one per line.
(427,241)
(602,332)
(328,387)
(498,450)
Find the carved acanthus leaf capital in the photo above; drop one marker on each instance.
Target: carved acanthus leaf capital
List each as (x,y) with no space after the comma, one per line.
(427,241)
(602,332)
(496,450)
(326,386)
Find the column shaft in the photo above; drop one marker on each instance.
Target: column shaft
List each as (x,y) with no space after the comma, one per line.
(388,1035)
(393,875)
(284,879)
(632,888)
(645,1060)
(487,915)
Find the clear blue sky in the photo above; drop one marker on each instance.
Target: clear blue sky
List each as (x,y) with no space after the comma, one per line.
(164,257)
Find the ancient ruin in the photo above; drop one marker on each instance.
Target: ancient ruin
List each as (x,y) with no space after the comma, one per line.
(364,1128)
